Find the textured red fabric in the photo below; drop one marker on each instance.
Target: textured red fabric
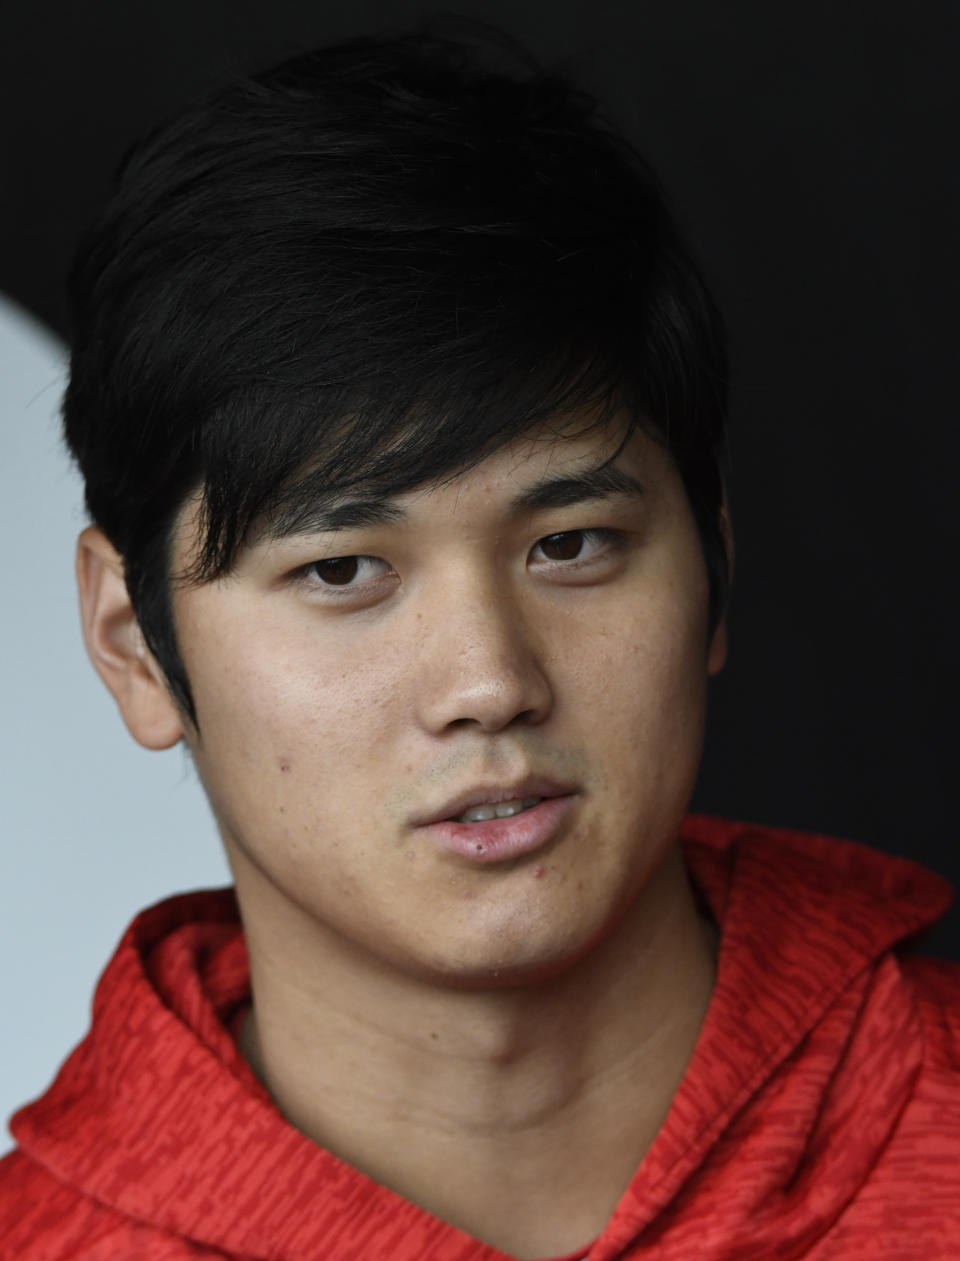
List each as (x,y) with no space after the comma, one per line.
(819,1116)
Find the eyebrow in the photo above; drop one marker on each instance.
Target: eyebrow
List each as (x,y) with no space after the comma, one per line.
(604,481)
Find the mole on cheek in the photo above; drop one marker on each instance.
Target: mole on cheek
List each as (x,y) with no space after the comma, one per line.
(285,764)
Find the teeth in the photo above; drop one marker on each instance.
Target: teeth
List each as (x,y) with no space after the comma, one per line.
(502,810)
(477,814)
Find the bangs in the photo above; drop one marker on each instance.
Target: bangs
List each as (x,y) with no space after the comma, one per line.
(502,338)
(323,447)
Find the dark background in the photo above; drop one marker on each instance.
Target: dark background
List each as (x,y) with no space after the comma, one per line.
(811,150)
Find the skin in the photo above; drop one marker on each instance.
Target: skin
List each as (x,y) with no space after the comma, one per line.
(498,1042)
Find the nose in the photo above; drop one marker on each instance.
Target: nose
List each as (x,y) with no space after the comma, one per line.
(480,664)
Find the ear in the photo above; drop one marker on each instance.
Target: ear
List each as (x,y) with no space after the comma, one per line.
(117,647)
(717,653)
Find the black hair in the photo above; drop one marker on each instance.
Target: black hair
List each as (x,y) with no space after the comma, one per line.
(368,268)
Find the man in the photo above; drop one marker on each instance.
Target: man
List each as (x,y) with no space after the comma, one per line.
(400,406)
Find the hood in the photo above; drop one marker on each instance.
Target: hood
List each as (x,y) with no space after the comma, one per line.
(808,1054)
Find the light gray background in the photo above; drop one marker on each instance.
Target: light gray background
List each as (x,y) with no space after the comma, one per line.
(92,827)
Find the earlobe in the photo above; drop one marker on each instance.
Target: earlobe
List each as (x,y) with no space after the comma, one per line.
(726,534)
(117,648)
(717,653)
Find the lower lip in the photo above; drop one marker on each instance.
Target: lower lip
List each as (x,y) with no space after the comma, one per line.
(498,840)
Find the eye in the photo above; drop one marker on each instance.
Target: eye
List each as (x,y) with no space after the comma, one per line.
(577,545)
(345,571)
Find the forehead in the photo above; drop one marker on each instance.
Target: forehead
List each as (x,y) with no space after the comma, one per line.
(536,471)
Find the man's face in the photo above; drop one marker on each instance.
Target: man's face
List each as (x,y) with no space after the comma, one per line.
(524,634)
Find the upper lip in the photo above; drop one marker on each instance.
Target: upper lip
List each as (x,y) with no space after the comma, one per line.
(491,794)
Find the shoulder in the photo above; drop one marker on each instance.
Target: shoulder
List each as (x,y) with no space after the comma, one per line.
(43,1219)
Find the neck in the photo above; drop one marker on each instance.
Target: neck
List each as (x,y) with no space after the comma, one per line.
(518,1114)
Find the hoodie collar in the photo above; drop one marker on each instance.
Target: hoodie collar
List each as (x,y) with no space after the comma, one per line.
(157,1114)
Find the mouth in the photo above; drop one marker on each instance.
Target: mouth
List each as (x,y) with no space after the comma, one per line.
(493,825)
(485,802)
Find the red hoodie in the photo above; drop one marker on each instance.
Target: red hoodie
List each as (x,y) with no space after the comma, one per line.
(819,1116)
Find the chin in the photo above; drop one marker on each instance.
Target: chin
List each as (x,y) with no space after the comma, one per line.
(488,965)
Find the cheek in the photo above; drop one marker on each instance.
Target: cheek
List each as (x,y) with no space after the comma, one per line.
(283,706)
(642,692)
(644,660)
